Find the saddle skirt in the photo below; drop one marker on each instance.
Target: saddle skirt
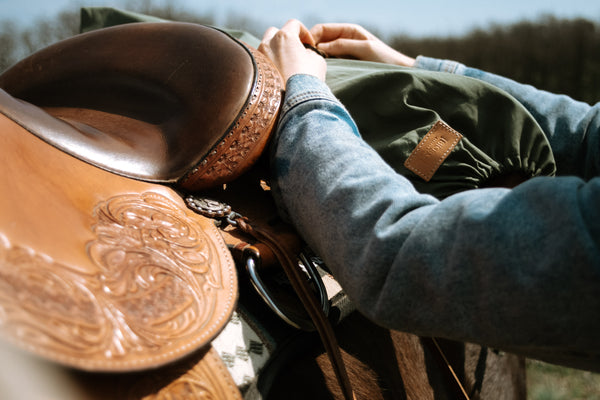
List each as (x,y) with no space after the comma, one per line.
(99,271)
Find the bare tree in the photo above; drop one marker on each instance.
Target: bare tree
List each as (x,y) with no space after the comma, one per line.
(8,44)
(558,55)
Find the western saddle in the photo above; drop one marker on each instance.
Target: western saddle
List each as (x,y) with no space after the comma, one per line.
(105,263)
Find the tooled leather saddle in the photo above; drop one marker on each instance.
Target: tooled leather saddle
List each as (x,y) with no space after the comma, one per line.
(103,266)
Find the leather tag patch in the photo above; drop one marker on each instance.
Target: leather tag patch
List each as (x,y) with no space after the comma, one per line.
(432,150)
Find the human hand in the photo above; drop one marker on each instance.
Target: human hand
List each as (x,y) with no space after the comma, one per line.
(285,47)
(351,40)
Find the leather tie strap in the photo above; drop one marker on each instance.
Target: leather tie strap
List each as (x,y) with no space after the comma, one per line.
(304,292)
(454,381)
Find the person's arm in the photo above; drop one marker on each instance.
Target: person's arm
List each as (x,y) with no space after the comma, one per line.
(351,40)
(515,269)
(569,124)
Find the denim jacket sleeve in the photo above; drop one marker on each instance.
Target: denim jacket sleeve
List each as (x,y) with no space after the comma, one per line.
(517,270)
(571,126)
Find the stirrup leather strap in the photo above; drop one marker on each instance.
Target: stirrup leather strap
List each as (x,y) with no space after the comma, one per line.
(311,304)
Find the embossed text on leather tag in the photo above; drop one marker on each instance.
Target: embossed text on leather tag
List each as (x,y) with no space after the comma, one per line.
(432,150)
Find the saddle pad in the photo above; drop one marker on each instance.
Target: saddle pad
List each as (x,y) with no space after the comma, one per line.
(98,271)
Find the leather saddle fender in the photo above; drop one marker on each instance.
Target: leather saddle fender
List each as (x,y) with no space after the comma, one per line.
(102,265)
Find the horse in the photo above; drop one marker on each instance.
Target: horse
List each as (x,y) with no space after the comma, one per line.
(141,254)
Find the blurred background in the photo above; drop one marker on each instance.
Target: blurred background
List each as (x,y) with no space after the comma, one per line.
(551,44)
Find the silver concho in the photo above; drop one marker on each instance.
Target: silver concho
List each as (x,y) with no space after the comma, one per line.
(208,207)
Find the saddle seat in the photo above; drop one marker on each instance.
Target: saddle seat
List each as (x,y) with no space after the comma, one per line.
(175,103)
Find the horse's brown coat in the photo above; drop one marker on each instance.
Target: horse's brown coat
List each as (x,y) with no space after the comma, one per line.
(394,365)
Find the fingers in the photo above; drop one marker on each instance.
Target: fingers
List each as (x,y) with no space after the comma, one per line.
(292,28)
(344,48)
(268,35)
(332,31)
(335,39)
(267,39)
(286,48)
(343,40)
(296,28)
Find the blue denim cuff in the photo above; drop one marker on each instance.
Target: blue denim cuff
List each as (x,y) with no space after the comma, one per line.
(434,64)
(301,88)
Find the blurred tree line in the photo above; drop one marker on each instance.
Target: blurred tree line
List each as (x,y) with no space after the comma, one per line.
(558,55)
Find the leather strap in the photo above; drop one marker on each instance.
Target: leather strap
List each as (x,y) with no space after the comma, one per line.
(453,379)
(269,238)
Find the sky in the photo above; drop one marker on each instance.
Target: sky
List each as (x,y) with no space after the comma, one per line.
(414,17)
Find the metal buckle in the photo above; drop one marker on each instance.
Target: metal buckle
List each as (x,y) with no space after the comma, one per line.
(220,212)
(295,315)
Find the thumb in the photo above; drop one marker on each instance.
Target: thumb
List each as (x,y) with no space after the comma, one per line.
(343,47)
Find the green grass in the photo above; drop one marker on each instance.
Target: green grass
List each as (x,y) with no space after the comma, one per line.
(551,382)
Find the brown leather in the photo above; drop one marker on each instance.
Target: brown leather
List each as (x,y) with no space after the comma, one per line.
(259,227)
(201,376)
(268,235)
(432,150)
(173,102)
(99,271)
